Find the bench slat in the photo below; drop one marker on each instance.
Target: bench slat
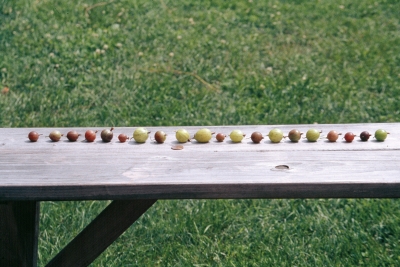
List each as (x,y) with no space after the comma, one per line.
(80,170)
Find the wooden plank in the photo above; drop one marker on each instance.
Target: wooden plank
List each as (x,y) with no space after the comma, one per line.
(19,228)
(217,191)
(64,170)
(100,233)
(173,176)
(206,167)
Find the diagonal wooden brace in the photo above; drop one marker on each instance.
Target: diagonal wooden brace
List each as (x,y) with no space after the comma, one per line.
(101,232)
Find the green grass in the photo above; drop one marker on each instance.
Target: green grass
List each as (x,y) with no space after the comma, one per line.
(233,62)
(337,232)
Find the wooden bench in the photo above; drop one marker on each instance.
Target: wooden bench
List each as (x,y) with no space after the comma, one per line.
(136,175)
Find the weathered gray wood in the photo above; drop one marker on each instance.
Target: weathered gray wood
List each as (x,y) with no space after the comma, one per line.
(81,170)
(101,233)
(19,228)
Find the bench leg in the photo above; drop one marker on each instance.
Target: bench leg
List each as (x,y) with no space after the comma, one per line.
(19,229)
(101,232)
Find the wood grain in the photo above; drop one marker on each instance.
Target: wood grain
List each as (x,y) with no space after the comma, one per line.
(19,230)
(72,171)
(100,233)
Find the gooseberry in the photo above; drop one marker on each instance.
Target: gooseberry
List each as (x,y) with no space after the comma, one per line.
(72,136)
(333,136)
(107,135)
(312,135)
(349,137)
(182,136)
(220,137)
(55,136)
(381,134)
(140,135)
(203,135)
(294,135)
(236,136)
(364,136)
(256,137)
(90,135)
(33,136)
(160,137)
(122,137)
(275,135)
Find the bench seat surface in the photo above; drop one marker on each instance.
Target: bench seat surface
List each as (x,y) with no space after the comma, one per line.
(65,170)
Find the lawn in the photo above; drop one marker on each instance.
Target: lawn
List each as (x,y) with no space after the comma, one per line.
(130,63)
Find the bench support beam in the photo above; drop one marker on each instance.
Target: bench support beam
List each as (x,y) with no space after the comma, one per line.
(19,229)
(101,232)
